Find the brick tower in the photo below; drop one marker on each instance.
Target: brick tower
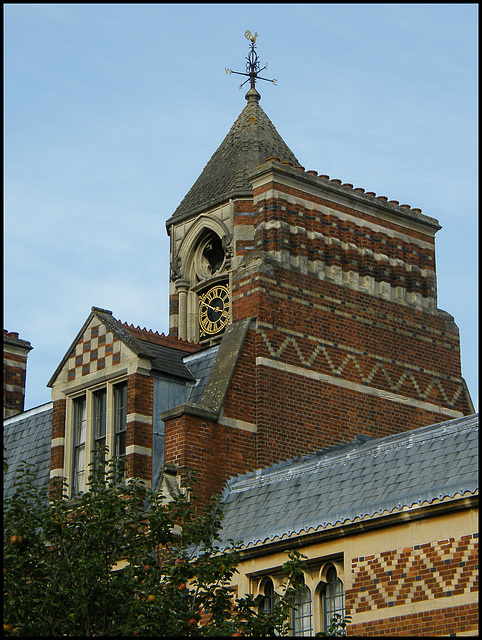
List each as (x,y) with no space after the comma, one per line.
(15,352)
(322,298)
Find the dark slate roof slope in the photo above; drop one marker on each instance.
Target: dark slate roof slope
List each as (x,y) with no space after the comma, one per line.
(27,438)
(358,480)
(200,365)
(169,361)
(251,140)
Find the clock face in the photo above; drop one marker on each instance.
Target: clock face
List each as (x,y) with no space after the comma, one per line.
(213,310)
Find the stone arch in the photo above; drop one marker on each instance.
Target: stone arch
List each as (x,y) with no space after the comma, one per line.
(205,250)
(204,257)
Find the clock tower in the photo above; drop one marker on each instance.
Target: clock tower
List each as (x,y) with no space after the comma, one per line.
(315,299)
(213,227)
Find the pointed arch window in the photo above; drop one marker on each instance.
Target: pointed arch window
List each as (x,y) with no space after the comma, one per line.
(332,597)
(268,596)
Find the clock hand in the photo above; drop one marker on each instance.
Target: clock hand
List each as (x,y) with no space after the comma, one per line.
(205,304)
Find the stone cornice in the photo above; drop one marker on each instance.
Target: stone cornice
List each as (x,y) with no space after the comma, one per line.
(319,185)
(189,409)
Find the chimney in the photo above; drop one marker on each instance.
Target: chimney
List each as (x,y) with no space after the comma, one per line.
(15,352)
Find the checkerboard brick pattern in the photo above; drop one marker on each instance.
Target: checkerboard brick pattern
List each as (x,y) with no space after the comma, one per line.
(98,349)
(423,572)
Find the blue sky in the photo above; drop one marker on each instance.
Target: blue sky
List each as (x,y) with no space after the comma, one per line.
(113,110)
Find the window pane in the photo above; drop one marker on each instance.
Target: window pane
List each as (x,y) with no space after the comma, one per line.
(301,617)
(120,407)
(80,458)
(120,444)
(79,421)
(333,598)
(100,411)
(78,471)
(120,416)
(79,468)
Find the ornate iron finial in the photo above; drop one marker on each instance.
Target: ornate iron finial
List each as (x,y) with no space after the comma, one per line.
(252,65)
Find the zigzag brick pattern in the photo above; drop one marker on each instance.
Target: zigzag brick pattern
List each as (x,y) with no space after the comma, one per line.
(424,572)
(363,367)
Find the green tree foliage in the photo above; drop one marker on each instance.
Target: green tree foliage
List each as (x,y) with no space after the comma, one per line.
(120,560)
(337,626)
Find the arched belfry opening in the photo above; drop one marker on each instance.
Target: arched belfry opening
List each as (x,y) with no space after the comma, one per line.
(200,271)
(209,255)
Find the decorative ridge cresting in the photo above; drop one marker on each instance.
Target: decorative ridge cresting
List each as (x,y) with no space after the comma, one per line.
(148,335)
(345,185)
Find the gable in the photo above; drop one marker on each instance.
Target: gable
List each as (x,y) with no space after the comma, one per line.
(102,346)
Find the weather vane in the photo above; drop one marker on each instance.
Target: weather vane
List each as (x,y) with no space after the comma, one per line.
(252,65)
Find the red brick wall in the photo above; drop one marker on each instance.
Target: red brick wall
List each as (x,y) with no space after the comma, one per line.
(58,431)
(57,453)
(357,340)
(341,236)
(351,339)
(395,348)
(439,622)
(14,373)
(140,400)
(346,359)
(213,451)
(420,573)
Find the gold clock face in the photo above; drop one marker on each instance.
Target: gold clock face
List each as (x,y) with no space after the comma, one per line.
(213,310)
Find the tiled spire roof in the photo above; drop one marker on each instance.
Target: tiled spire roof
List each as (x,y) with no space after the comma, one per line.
(251,140)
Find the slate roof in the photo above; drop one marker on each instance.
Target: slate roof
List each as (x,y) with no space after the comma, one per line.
(251,140)
(169,360)
(356,480)
(200,365)
(27,438)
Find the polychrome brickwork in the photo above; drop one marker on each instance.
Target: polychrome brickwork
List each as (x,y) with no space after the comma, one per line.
(348,337)
(140,400)
(366,365)
(324,236)
(98,349)
(390,372)
(57,452)
(14,372)
(15,352)
(429,571)
(213,451)
(315,323)
(444,622)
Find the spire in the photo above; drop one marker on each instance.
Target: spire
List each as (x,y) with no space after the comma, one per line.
(250,142)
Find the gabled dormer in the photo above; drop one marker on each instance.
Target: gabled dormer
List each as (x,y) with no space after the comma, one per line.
(109,389)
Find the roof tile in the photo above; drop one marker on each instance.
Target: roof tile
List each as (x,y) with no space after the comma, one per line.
(250,142)
(359,481)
